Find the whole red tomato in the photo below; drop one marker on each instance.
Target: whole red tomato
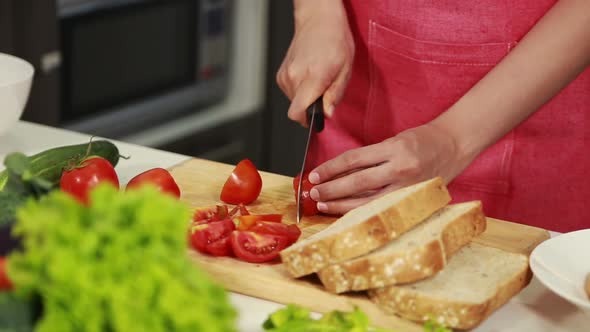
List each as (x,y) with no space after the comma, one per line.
(158,177)
(5,283)
(310,207)
(80,180)
(243,185)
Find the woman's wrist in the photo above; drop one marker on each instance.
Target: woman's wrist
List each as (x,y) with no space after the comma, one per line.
(466,143)
(304,9)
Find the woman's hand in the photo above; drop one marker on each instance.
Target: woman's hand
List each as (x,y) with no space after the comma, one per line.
(360,175)
(319,60)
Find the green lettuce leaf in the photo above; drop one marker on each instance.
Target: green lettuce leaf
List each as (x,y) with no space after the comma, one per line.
(119,265)
(293,318)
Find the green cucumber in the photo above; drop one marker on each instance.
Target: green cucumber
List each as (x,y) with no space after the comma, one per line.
(49,164)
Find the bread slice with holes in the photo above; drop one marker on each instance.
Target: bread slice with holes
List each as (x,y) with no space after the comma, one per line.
(367,227)
(476,282)
(415,255)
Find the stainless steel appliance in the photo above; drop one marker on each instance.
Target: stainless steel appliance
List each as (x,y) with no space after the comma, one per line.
(130,64)
(187,76)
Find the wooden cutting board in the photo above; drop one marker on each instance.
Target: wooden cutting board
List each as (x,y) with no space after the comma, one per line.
(201,181)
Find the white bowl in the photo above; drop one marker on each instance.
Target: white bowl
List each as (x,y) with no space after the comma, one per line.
(16,76)
(562,265)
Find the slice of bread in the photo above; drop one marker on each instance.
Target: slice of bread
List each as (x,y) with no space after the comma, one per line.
(477,281)
(417,254)
(367,227)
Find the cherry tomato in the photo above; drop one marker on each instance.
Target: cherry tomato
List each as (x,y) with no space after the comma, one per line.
(80,180)
(5,283)
(292,232)
(310,207)
(245,222)
(257,248)
(243,185)
(204,237)
(158,177)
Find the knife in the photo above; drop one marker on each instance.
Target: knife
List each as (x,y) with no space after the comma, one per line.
(315,119)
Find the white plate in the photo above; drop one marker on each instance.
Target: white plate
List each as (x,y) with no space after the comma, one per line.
(562,264)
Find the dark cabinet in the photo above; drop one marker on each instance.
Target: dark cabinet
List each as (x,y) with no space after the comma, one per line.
(27,31)
(285,140)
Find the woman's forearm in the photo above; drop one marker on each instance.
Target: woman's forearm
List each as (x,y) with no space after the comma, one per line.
(550,56)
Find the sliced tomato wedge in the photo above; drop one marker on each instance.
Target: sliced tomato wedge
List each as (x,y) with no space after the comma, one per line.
(243,210)
(205,237)
(245,222)
(222,212)
(221,247)
(243,185)
(310,207)
(205,214)
(257,248)
(219,212)
(292,232)
(5,283)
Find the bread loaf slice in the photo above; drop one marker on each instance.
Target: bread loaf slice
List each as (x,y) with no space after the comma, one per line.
(367,227)
(476,282)
(415,255)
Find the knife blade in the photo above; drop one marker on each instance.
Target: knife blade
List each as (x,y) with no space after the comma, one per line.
(315,119)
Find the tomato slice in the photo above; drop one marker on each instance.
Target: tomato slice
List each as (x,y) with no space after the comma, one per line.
(80,180)
(217,213)
(204,214)
(243,185)
(292,232)
(222,212)
(221,247)
(5,283)
(245,222)
(204,237)
(310,207)
(257,248)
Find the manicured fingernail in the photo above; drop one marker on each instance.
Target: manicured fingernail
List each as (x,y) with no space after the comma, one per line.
(322,207)
(330,111)
(314,194)
(314,178)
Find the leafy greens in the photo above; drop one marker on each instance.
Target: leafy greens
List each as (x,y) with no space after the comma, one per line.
(118,265)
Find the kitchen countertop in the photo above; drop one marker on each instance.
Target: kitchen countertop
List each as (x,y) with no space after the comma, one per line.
(535,309)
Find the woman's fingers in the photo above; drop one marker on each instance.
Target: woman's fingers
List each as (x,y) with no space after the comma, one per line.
(360,181)
(364,157)
(306,94)
(342,206)
(335,92)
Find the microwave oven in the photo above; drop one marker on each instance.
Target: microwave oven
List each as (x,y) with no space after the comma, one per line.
(132,64)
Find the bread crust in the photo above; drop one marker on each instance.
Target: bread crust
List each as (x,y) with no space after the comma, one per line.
(420,307)
(363,237)
(384,269)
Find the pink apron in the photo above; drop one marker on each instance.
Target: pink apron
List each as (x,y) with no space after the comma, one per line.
(415,58)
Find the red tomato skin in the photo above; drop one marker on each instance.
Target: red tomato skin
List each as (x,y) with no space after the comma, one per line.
(203,235)
(221,247)
(257,248)
(158,177)
(243,185)
(291,232)
(79,181)
(310,207)
(5,283)
(245,222)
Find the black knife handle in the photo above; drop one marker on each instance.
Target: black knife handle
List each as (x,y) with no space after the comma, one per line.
(318,122)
